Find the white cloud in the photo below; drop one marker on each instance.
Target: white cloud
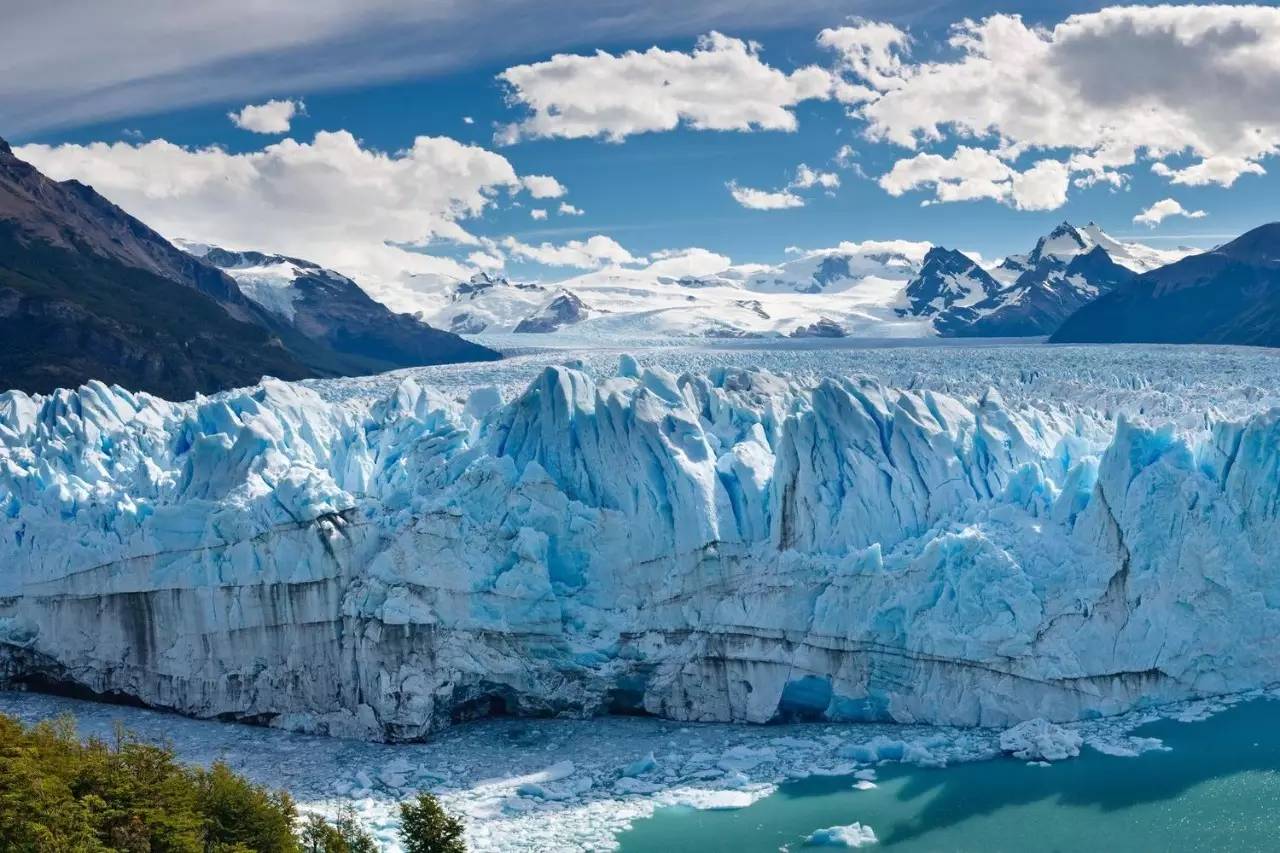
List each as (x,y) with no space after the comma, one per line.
(82,61)
(806,178)
(754,199)
(594,252)
(1109,87)
(271,117)
(486,261)
(537,213)
(870,51)
(1222,171)
(468,120)
(332,200)
(722,84)
(1162,210)
(975,173)
(691,261)
(567,209)
(543,186)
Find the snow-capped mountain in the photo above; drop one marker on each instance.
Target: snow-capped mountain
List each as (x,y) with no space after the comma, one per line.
(948,280)
(876,289)
(1230,295)
(327,306)
(486,302)
(853,287)
(845,267)
(1068,268)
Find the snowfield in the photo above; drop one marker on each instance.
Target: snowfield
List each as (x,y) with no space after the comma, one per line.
(947,535)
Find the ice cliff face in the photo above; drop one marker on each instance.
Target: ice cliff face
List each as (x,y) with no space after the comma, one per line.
(729,545)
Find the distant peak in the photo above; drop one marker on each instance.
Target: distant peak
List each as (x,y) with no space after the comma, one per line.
(4,147)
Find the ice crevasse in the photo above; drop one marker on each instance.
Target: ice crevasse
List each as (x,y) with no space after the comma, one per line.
(728,545)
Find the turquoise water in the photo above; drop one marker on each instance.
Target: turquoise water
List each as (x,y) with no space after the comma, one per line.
(1217,789)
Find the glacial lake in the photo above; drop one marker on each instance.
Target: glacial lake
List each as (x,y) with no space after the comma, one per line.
(1216,788)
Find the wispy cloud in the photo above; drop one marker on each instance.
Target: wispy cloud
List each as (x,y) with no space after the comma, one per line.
(78,61)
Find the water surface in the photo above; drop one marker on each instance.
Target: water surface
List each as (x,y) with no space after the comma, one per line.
(1217,788)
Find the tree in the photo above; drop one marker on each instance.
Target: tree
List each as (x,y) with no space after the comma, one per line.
(240,813)
(319,836)
(425,827)
(343,835)
(358,840)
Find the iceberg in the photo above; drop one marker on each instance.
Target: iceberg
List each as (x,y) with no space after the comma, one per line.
(725,544)
(853,835)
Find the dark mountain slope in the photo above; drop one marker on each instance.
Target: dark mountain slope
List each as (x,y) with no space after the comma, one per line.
(1228,296)
(89,292)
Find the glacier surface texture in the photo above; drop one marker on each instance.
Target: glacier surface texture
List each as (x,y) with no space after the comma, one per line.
(1070,534)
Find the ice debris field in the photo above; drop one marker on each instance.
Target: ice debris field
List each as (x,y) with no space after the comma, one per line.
(566,785)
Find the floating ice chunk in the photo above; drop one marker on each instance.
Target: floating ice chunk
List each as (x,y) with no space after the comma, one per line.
(1040,740)
(1126,747)
(852,835)
(743,758)
(698,798)
(641,766)
(863,785)
(627,785)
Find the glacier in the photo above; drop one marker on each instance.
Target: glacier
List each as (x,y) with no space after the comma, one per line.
(1030,533)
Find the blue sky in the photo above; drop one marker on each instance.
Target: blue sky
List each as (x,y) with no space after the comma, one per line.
(666,189)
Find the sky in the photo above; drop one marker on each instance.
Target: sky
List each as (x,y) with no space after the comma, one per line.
(410,142)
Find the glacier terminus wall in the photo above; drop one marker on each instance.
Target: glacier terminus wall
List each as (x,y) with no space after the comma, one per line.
(727,544)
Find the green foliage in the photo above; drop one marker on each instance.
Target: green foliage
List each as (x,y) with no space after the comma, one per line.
(425,827)
(344,835)
(319,836)
(61,795)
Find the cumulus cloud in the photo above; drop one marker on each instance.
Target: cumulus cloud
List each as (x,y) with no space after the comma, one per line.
(1222,171)
(468,120)
(1108,87)
(975,173)
(805,178)
(486,261)
(594,252)
(754,199)
(271,117)
(567,209)
(870,51)
(537,213)
(332,200)
(1162,210)
(722,84)
(690,261)
(543,186)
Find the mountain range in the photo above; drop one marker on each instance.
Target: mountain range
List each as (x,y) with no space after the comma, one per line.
(874,289)
(89,292)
